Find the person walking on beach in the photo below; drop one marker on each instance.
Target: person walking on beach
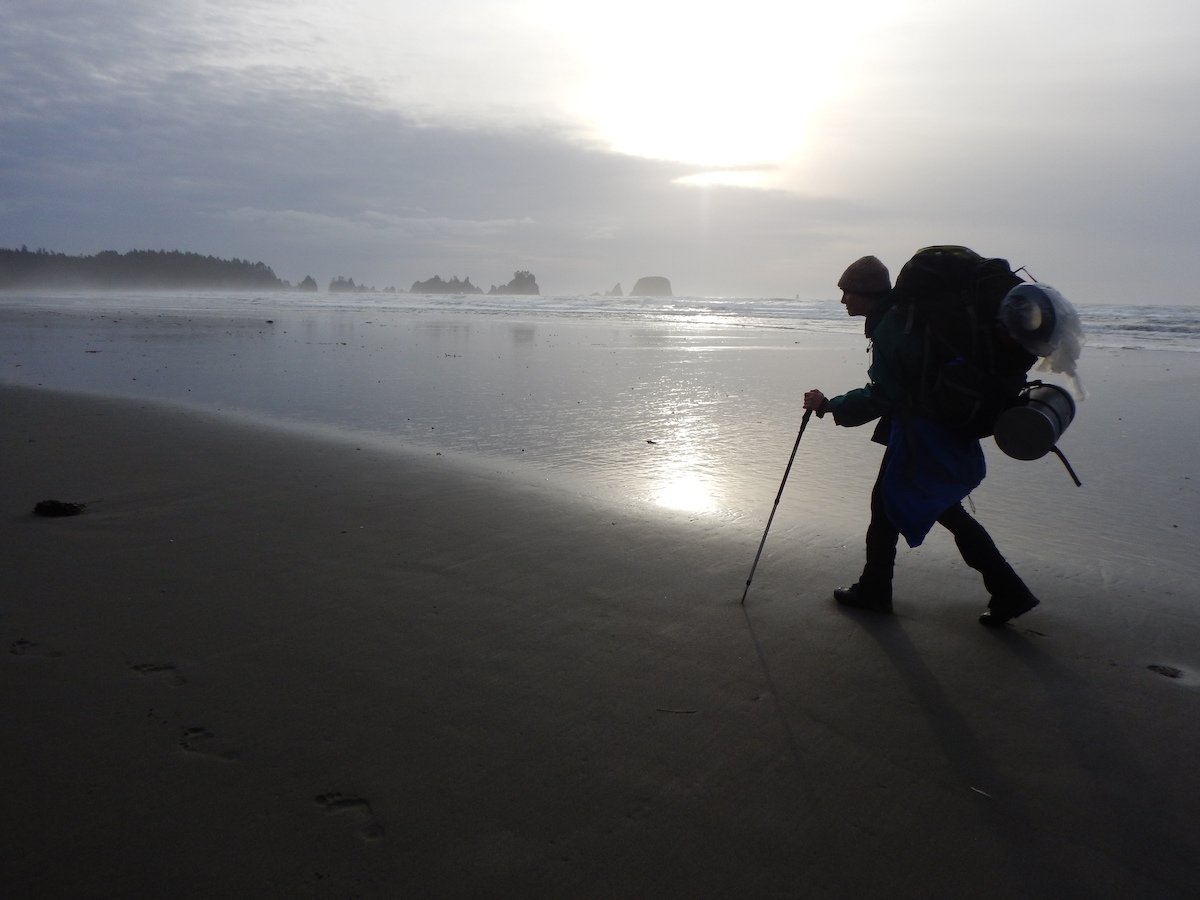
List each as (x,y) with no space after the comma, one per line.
(928,469)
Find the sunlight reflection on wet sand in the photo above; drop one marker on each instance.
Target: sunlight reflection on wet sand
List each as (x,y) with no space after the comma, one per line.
(694,419)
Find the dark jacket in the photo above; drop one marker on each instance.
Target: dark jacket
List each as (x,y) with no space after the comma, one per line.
(895,361)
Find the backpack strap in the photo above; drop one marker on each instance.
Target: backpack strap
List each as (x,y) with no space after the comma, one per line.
(1070,471)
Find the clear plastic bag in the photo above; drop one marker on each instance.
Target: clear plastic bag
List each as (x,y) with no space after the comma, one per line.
(1045,323)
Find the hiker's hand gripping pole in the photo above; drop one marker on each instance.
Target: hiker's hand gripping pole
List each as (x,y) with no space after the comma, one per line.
(803,424)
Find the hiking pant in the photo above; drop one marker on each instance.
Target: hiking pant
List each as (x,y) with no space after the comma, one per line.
(974,543)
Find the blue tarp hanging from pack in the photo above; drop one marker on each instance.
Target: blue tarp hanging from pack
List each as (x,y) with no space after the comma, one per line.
(930,468)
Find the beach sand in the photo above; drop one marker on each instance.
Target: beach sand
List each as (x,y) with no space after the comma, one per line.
(263,664)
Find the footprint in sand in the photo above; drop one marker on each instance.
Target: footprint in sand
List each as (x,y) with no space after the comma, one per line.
(1166,671)
(201,741)
(166,670)
(370,829)
(23,647)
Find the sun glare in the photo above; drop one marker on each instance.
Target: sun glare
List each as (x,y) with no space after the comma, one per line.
(683,479)
(685,493)
(749,178)
(716,85)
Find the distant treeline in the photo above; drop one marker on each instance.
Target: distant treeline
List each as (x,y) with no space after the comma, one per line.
(27,268)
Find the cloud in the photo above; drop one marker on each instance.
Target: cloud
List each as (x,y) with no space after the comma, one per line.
(369,225)
(604,233)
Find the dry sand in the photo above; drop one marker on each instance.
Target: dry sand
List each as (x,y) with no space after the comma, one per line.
(267,665)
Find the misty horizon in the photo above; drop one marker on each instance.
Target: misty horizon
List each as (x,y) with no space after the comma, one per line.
(22,268)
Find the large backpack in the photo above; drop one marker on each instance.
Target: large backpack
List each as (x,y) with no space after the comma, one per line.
(971,369)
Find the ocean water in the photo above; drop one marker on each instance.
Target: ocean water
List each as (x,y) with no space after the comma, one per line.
(1131,327)
(689,406)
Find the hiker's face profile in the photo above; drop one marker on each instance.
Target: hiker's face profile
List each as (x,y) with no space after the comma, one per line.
(856,304)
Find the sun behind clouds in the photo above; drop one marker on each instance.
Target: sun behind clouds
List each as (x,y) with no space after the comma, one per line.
(734,89)
(719,85)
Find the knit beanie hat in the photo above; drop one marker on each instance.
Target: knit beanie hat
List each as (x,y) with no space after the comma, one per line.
(866,276)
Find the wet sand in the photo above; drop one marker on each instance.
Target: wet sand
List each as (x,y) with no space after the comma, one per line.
(262,664)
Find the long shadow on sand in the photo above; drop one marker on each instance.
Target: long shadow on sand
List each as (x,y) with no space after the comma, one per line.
(1143,814)
(1140,828)
(1008,819)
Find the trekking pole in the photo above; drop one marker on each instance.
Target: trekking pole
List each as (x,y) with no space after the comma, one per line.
(786,472)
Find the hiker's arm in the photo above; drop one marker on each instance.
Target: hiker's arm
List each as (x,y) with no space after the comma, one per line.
(857,407)
(852,408)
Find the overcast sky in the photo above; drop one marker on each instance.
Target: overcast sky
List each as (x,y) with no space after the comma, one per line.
(749,148)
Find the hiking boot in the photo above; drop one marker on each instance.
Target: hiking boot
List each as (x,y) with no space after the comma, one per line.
(862,598)
(1001,609)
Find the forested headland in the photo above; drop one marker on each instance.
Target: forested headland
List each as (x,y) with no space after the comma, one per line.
(150,269)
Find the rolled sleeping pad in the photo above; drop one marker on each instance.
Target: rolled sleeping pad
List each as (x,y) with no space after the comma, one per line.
(1029,313)
(1031,429)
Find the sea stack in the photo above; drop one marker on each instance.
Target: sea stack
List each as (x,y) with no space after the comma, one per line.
(652,286)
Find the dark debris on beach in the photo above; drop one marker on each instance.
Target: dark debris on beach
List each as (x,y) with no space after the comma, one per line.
(58,508)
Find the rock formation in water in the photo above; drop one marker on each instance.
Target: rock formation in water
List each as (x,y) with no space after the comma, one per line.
(522,283)
(308,284)
(342,285)
(652,286)
(436,285)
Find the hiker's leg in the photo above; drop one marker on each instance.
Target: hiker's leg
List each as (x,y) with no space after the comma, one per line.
(882,537)
(873,590)
(979,552)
